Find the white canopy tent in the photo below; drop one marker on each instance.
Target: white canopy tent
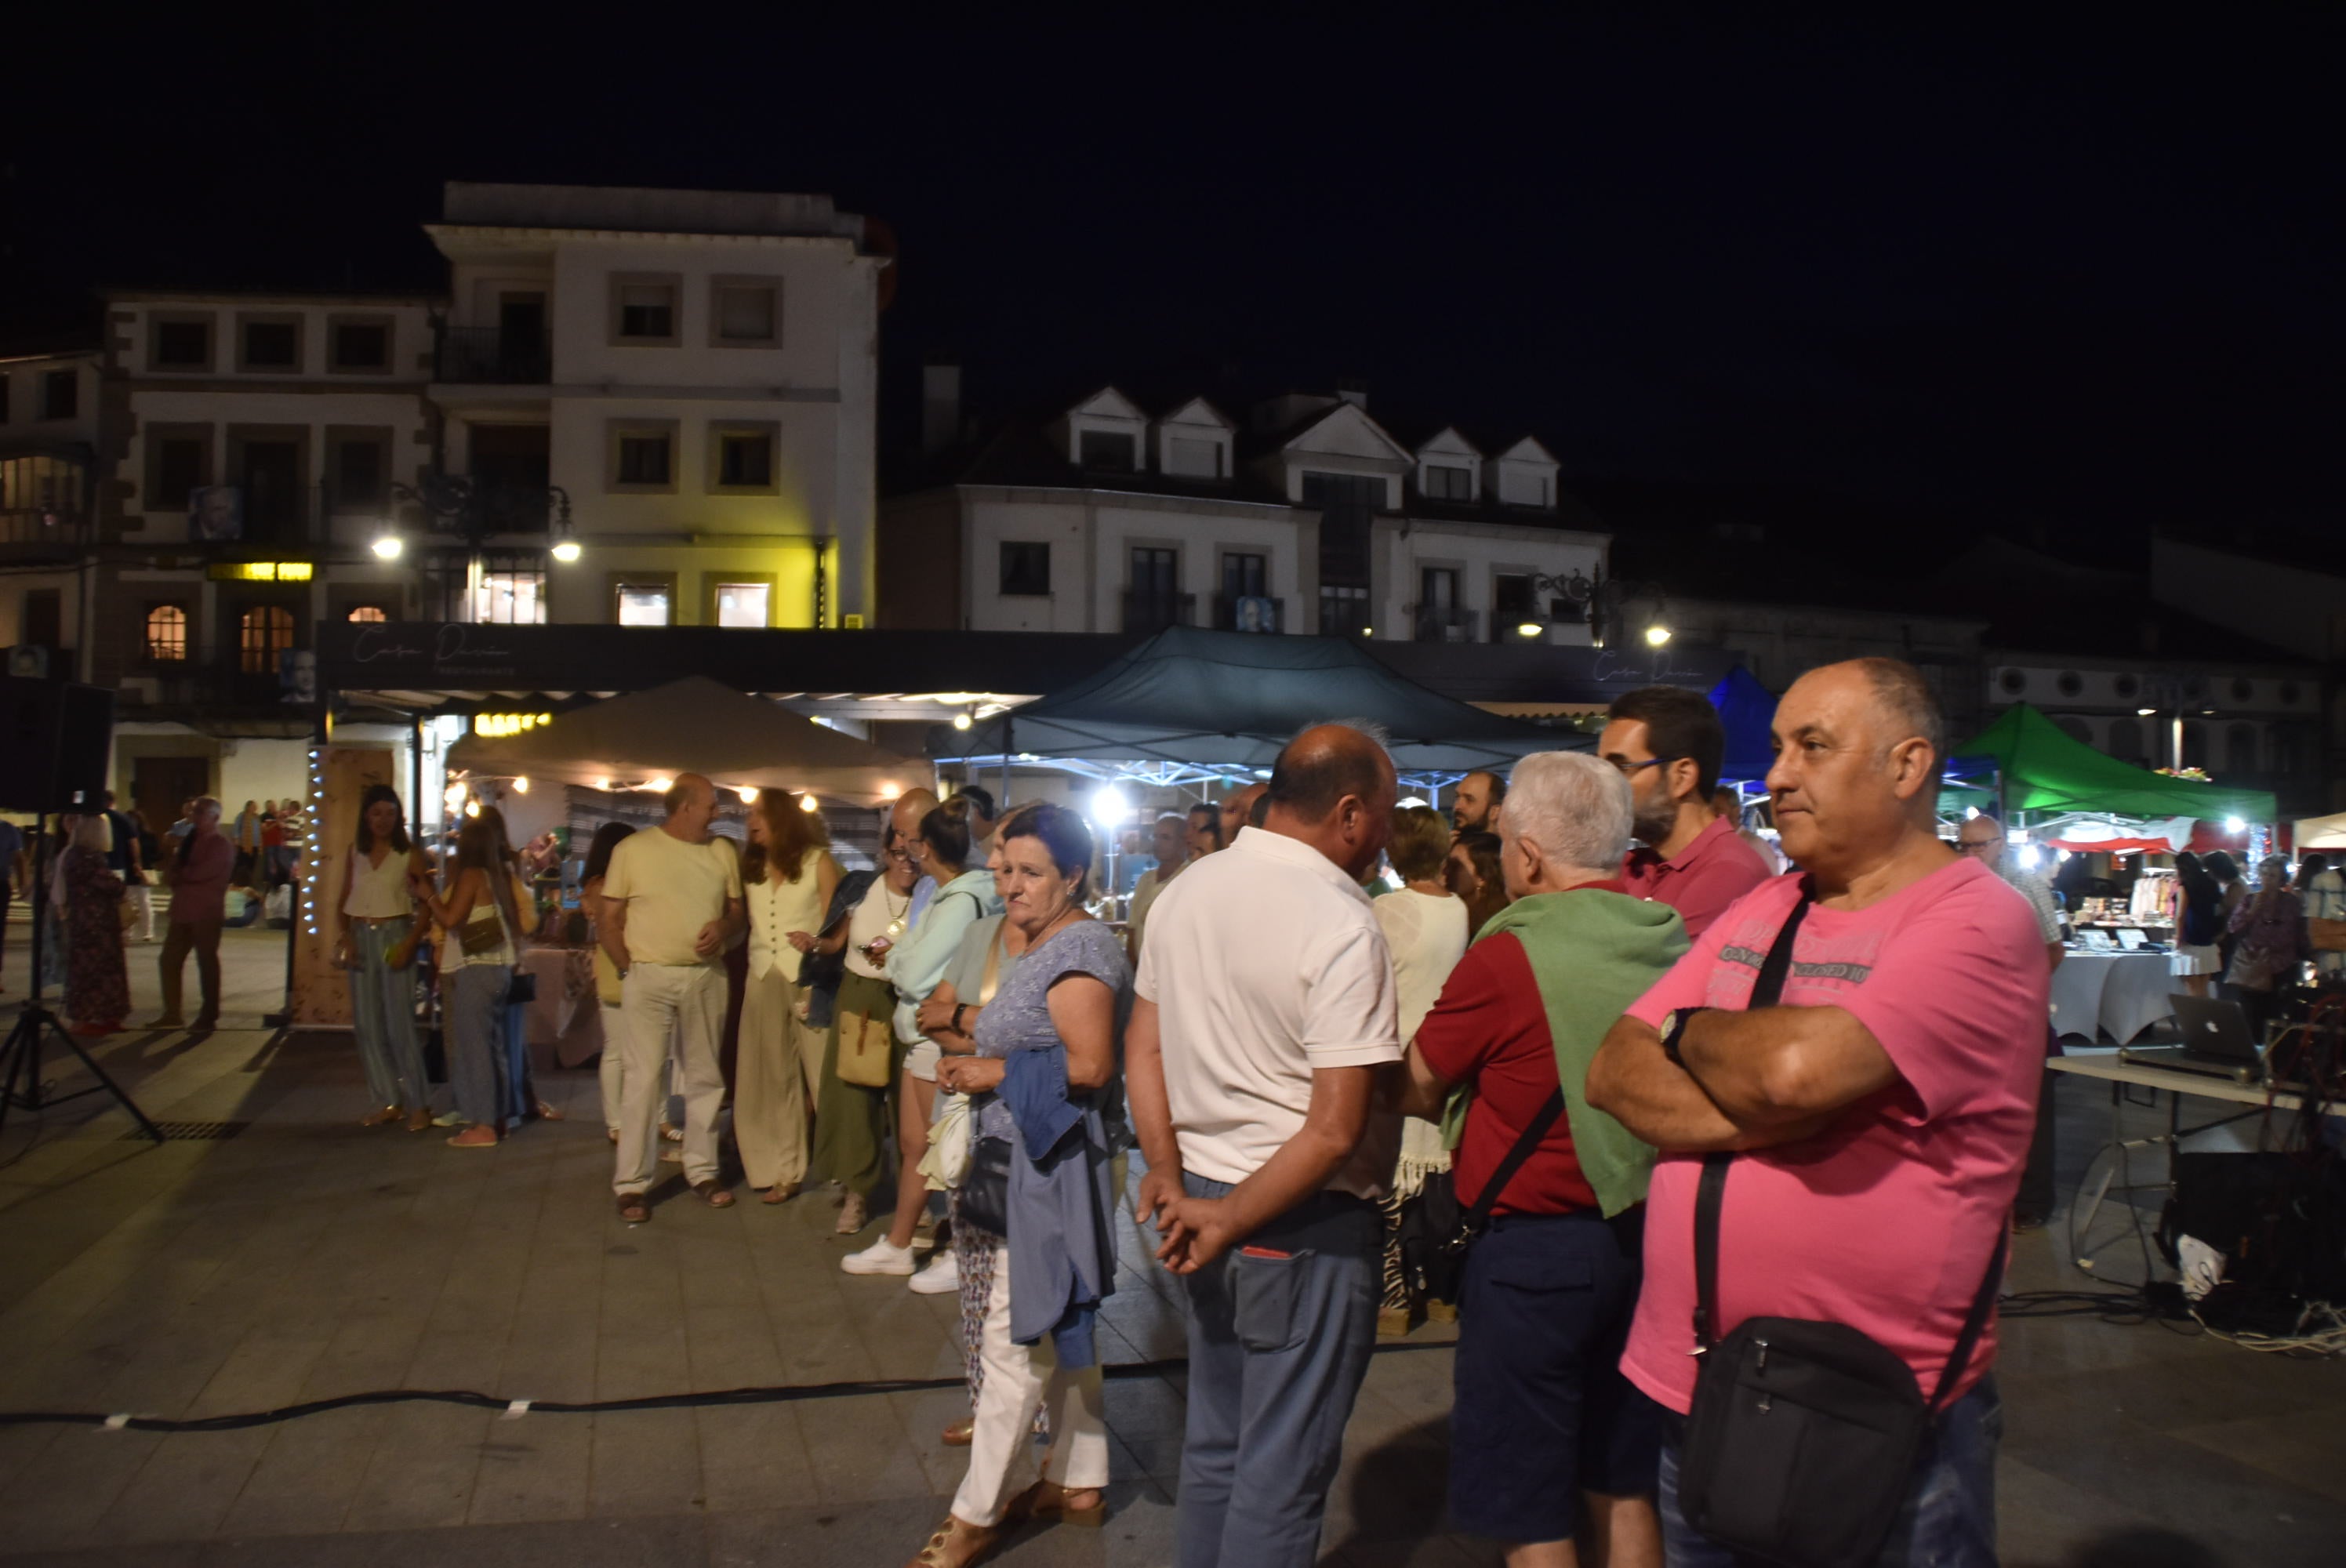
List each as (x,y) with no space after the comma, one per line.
(2321,832)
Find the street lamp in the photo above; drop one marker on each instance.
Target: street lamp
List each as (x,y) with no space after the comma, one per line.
(1657,634)
(389,546)
(473,511)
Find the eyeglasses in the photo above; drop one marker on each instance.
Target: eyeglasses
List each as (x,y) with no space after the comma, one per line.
(1629,770)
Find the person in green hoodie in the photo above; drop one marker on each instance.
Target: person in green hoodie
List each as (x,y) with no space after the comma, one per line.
(1548,1440)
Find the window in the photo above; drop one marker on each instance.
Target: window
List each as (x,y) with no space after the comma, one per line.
(361,346)
(643,460)
(1443,482)
(1512,600)
(261,636)
(1245,576)
(745,460)
(368,615)
(744,604)
(744,312)
(182,345)
(500,587)
(270,345)
(1026,567)
(357,473)
(645,603)
(1194,459)
(1106,449)
(43,624)
(60,394)
(167,634)
(176,464)
(2069,683)
(643,309)
(1154,599)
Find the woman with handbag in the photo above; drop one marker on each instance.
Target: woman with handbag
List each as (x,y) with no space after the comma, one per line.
(377,945)
(1046,1065)
(98,986)
(2269,944)
(859,1069)
(483,925)
(786,879)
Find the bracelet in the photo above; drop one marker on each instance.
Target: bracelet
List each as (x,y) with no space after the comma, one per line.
(1674,1028)
(959,1008)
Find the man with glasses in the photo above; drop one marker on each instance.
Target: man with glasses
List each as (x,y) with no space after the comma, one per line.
(1667,741)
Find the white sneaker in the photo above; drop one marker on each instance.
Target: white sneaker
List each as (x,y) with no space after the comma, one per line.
(880,1257)
(941,1276)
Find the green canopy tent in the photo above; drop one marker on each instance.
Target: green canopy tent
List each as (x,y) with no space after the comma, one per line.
(2043,770)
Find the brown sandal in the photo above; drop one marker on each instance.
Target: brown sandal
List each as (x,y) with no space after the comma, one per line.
(959,1433)
(1047,1499)
(715,1196)
(956,1544)
(382,1118)
(634,1207)
(781,1192)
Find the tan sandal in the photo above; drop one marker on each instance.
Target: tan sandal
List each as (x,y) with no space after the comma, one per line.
(956,1544)
(382,1118)
(781,1192)
(959,1433)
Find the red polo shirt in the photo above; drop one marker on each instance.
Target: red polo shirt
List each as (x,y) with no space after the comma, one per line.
(1700,880)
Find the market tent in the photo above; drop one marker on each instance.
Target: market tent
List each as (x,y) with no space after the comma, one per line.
(695,725)
(2044,769)
(1204,697)
(1748,711)
(2321,832)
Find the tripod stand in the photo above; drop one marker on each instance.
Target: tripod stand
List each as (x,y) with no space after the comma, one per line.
(20,1057)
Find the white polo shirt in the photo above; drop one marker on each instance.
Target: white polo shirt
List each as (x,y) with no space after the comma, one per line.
(1265,963)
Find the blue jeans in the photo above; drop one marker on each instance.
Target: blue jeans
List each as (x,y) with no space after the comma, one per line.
(1280,1329)
(477,1065)
(1949,1517)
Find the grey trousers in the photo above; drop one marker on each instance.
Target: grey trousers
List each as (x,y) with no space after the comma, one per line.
(476,1041)
(1281,1331)
(383,1013)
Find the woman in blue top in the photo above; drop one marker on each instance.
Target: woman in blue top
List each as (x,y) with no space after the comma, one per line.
(1046,1067)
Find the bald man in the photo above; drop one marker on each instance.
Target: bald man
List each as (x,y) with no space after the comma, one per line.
(671,904)
(1887,1093)
(1265,1015)
(1238,809)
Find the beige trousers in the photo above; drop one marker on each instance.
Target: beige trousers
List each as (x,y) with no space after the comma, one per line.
(769,1083)
(662,1001)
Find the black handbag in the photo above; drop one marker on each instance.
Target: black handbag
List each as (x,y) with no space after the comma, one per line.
(1435,1236)
(524,987)
(983,1199)
(1802,1440)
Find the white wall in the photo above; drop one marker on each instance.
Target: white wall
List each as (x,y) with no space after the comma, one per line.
(1092,534)
(1479,553)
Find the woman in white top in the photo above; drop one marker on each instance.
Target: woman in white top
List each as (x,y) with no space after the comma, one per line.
(484,928)
(377,945)
(1425,928)
(786,879)
(851,1118)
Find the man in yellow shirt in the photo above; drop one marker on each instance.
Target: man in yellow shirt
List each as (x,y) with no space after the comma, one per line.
(671,905)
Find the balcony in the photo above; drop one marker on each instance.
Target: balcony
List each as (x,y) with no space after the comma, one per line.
(1444,624)
(1249,613)
(490,356)
(1150,611)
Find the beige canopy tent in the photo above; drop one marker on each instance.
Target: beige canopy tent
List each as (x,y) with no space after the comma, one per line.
(695,725)
(2321,832)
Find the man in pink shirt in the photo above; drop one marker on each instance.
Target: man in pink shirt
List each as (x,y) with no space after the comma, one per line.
(1667,741)
(1882,1110)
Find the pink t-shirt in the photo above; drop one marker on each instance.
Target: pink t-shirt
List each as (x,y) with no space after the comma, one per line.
(1885,1221)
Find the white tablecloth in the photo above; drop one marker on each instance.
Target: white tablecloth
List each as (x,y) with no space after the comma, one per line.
(563,1026)
(2119,993)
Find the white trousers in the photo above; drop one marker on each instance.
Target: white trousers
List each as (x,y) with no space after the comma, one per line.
(661,1000)
(142,898)
(1019,1380)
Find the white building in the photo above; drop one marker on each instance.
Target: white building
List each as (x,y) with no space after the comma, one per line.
(696,372)
(1309,518)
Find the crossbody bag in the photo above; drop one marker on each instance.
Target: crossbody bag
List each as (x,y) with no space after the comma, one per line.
(1801,1444)
(1436,1263)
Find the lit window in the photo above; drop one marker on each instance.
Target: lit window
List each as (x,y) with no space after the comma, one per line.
(743,604)
(368,613)
(167,634)
(646,604)
(263,635)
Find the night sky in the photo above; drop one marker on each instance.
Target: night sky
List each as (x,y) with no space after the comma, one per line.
(2082,277)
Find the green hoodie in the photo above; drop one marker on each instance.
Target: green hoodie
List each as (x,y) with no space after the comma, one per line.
(1593,953)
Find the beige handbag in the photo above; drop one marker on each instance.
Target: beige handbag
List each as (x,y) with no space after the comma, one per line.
(865,1045)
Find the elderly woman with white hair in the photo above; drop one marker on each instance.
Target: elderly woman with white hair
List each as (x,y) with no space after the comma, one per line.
(1548,1440)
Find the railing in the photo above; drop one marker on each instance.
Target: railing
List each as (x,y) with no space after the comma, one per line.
(488,355)
(40,525)
(1153,612)
(1250,613)
(1444,624)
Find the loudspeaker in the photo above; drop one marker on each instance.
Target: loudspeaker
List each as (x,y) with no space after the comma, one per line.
(54,741)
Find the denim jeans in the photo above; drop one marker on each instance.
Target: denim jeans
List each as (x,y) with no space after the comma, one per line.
(1949,1517)
(1280,1329)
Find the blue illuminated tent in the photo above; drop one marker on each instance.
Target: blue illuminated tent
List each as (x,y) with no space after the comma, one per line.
(1747,709)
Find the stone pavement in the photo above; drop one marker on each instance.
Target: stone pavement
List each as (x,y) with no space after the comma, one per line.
(305,1258)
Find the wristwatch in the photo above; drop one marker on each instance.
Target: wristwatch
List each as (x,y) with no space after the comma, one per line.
(1674,1028)
(959,1008)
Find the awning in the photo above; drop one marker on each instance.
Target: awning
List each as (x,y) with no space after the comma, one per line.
(2044,769)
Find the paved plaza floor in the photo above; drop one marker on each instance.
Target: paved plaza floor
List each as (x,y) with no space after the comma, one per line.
(304,1257)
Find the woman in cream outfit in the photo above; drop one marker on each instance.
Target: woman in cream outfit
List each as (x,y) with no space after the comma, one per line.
(786,879)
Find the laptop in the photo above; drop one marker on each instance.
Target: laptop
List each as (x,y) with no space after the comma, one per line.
(2216,1041)
(2131,940)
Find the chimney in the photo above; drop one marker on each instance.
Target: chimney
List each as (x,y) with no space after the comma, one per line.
(939,407)
(1354,391)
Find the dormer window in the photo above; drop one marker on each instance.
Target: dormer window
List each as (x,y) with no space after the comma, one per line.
(1445,481)
(1524,475)
(1107,448)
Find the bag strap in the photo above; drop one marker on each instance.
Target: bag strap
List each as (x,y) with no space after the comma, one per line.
(992,975)
(1526,1142)
(1712,1191)
(1975,1321)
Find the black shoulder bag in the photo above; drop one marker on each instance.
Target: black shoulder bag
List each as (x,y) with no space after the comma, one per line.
(1801,1444)
(1436,1257)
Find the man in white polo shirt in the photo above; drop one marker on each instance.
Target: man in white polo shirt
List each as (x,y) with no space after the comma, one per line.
(671,904)
(1265,1016)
